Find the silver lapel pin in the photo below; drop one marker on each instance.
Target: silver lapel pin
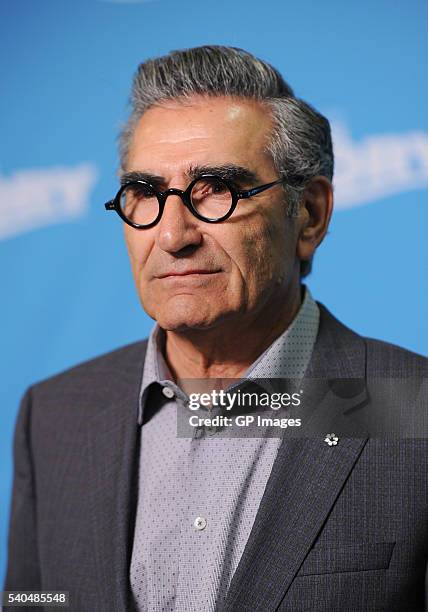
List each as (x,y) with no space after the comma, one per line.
(331,439)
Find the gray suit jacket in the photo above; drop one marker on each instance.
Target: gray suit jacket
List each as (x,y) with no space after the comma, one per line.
(341,528)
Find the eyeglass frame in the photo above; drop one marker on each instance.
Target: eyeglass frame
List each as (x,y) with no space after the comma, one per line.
(162,196)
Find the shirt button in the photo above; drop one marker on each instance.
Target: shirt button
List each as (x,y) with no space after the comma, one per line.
(200,523)
(168,392)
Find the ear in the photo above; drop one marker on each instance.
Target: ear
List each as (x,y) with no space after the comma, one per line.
(315,212)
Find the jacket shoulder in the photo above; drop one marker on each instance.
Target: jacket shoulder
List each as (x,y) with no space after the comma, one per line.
(118,362)
(375,357)
(397,361)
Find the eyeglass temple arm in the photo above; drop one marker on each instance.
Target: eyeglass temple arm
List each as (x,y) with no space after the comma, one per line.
(255,190)
(109,205)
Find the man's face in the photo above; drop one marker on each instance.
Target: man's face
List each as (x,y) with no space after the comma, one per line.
(196,275)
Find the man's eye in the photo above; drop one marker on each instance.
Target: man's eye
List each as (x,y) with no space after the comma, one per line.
(142,192)
(211,186)
(219,187)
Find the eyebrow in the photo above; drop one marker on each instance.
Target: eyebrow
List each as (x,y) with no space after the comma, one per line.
(229,172)
(139,175)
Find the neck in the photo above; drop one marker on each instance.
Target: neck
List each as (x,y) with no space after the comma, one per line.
(227,351)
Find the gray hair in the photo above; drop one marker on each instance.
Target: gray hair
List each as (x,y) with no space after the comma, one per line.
(300,144)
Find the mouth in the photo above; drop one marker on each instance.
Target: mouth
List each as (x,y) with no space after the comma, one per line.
(188,273)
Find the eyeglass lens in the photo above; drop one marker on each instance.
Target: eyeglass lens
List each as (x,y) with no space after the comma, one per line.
(210,197)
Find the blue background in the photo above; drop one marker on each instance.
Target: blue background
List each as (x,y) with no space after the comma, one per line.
(66,69)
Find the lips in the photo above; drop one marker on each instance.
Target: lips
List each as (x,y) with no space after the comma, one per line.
(187,273)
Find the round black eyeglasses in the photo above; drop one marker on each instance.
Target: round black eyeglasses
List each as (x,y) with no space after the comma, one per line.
(210,198)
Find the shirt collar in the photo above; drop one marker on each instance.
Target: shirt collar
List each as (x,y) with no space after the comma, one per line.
(287,357)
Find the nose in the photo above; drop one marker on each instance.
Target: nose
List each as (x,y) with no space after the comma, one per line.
(178,229)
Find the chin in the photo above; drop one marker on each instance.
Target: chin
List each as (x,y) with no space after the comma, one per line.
(184,314)
(184,323)
(186,311)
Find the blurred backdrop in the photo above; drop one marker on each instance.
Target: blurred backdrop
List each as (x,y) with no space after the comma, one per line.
(66,69)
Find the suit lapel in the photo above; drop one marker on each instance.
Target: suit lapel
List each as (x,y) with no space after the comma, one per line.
(306,479)
(307,475)
(113,443)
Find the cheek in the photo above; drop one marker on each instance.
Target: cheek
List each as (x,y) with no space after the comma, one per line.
(138,251)
(264,250)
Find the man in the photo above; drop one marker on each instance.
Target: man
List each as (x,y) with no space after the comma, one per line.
(225,195)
